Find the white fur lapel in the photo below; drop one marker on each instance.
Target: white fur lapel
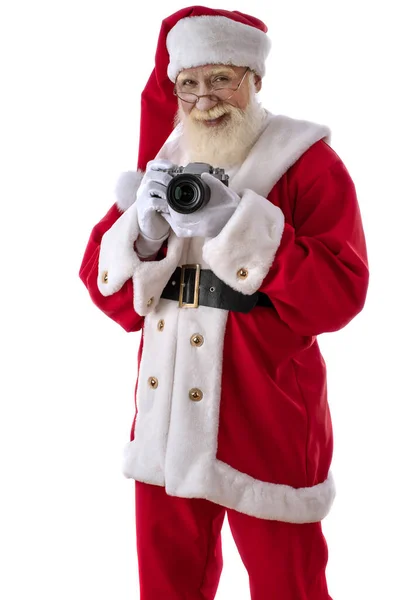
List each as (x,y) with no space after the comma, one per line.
(279,146)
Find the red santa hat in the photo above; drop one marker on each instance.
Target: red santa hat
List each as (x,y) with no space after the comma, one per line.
(193,37)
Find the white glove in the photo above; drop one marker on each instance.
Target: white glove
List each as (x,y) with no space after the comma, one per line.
(211,218)
(151,201)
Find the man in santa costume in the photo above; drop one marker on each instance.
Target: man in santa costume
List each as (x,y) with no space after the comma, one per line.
(231,415)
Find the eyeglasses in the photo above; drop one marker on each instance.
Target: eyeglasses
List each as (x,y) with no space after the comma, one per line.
(220,93)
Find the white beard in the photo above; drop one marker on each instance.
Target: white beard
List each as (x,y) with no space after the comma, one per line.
(224,145)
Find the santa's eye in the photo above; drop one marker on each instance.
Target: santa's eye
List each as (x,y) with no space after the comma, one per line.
(221,81)
(188,83)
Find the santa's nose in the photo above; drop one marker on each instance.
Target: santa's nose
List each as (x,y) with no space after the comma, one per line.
(205,103)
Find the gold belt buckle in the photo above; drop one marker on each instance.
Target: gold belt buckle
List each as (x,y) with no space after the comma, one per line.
(195,303)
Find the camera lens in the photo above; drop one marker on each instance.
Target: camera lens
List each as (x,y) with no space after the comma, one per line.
(187,193)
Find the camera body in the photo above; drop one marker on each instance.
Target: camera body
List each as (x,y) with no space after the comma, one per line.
(187,192)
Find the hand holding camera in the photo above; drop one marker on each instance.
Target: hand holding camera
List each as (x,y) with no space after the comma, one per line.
(194,201)
(200,202)
(152,205)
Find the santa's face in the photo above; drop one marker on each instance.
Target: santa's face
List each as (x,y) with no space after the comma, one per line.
(201,80)
(219,132)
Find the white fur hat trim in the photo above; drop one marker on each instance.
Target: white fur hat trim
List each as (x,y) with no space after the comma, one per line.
(207,40)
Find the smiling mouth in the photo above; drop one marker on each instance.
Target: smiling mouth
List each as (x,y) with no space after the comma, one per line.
(215,122)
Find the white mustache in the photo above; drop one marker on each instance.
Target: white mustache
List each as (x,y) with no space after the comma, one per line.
(214,113)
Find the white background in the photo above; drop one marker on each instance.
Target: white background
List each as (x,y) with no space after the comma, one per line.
(71,76)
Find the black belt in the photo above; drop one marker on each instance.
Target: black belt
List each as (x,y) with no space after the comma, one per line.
(192,286)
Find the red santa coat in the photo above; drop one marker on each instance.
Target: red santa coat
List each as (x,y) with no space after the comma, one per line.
(260,439)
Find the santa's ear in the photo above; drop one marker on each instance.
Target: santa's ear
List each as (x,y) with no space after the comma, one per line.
(257,82)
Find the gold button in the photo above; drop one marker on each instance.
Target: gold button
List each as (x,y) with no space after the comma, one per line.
(104,277)
(153,382)
(242,273)
(195,394)
(150,301)
(161,325)
(197,340)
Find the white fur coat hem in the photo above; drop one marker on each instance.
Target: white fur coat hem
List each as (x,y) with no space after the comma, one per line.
(218,482)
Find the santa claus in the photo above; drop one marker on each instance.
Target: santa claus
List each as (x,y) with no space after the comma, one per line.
(230,272)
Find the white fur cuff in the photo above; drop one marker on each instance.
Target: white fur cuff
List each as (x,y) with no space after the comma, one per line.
(242,254)
(118,262)
(126,188)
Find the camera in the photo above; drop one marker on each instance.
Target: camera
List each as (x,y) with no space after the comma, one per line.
(187,192)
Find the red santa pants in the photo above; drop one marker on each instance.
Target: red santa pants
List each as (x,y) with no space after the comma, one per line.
(180,556)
